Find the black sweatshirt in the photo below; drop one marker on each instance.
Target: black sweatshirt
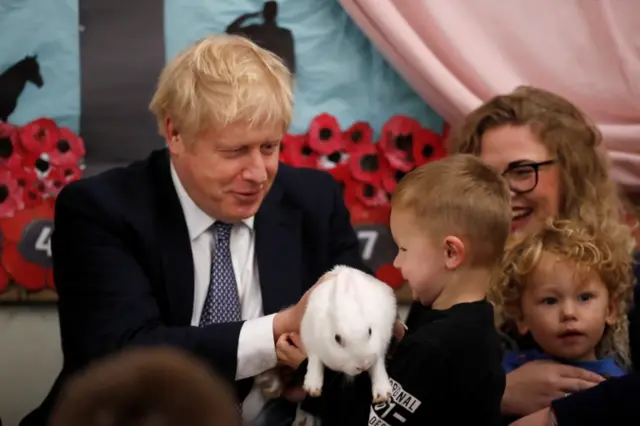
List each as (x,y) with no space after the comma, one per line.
(446,370)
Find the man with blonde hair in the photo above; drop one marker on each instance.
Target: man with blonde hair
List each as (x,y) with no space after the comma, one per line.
(204,244)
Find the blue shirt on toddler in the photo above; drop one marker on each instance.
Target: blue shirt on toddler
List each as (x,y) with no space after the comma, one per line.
(606,367)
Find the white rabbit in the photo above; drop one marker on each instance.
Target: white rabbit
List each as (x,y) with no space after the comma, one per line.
(347,326)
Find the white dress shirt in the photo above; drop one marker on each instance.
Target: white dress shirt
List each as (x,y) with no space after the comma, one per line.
(256,348)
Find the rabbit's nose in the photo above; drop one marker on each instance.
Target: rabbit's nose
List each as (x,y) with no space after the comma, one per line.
(363,367)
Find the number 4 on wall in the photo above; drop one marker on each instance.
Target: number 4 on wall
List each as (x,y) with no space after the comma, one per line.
(43,242)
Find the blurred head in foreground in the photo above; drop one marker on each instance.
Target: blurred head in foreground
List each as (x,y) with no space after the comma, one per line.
(147,387)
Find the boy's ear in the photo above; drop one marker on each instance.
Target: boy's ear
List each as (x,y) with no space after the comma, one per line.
(612,312)
(454,252)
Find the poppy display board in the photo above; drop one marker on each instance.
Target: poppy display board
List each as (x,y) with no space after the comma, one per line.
(71,70)
(368,171)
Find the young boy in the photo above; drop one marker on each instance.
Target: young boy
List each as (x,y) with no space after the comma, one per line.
(450,220)
(569,291)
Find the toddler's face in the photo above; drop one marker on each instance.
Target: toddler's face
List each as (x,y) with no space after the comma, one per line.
(566,309)
(420,261)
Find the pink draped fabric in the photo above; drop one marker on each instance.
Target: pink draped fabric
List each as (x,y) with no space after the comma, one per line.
(458,53)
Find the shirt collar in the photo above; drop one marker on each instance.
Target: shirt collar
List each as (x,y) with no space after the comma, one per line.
(197,220)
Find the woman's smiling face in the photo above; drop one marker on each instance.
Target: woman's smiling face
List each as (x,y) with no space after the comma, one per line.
(517,151)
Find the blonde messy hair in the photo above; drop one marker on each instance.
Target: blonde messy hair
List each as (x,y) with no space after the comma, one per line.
(220,80)
(590,251)
(588,193)
(459,195)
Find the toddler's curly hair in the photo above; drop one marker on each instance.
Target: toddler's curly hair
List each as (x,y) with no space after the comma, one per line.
(597,252)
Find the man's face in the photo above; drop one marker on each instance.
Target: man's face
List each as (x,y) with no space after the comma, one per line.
(228,173)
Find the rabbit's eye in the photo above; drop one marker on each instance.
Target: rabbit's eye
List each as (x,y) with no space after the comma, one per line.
(338,339)
(369,331)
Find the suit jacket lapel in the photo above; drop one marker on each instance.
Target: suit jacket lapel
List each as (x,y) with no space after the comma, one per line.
(278,248)
(174,243)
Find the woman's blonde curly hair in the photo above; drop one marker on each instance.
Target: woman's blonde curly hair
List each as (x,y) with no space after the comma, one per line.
(588,193)
(597,252)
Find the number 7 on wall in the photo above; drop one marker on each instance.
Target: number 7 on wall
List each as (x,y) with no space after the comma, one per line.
(369,238)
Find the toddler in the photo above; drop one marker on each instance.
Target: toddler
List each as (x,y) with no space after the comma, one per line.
(569,291)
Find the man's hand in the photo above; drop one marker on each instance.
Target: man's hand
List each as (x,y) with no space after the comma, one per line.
(536,384)
(290,351)
(288,321)
(399,330)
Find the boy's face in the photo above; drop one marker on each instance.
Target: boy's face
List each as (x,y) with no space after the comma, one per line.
(422,262)
(566,309)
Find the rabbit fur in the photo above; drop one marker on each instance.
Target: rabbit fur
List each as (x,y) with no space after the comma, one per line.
(347,327)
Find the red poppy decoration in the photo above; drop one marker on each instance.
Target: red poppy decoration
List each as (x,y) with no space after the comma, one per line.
(39,140)
(33,189)
(349,193)
(59,178)
(360,133)
(325,136)
(366,164)
(24,177)
(398,135)
(11,195)
(391,178)
(4,279)
(296,151)
(328,162)
(35,193)
(10,152)
(341,173)
(69,149)
(72,173)
(26,255)
(390,275)
(364,214)
(428,147)
(39,136)
(370,195)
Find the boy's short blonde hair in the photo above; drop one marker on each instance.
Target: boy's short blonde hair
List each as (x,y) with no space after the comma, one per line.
(220,80)
(590,251)
(460,195)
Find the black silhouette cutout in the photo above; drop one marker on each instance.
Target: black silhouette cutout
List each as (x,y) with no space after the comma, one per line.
(12,83)
(268,35)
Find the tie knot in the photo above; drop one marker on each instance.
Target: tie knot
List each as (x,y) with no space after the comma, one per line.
(223,230)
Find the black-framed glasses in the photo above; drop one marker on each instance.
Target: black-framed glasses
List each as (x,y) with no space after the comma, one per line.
(523,178)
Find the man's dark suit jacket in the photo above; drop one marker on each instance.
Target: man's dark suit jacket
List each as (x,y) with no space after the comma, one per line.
(124,271)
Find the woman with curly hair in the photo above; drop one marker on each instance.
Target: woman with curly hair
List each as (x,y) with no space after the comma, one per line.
(568,289)
(552,156)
